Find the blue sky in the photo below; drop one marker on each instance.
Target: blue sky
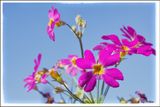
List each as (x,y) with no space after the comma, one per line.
(24,28)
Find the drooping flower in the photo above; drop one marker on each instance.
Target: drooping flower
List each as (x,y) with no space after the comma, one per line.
(37,76)
(98,69)
(54,18)
(70,64)
(134,44)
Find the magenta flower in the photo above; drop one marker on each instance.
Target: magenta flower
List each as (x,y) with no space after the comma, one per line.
(98,69)
(137,41)
(135,45)
(37,76)
(70,64)
(54,17)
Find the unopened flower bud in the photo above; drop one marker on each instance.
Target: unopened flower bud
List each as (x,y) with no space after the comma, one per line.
(80,21)
(54,74)
(74,28)
(78,17)
(59,90)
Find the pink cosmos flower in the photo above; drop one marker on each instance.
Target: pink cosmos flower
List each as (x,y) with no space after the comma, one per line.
(70,64)
(54,17)
(98,69)
(37,76)
(135,45)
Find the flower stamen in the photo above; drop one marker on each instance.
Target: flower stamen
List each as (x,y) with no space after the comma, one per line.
(98,69)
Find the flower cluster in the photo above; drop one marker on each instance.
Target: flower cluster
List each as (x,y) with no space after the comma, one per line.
(88,71)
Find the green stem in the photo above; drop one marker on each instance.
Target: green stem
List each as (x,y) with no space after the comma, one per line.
(98,91)
(102,89)
(81,46)
(51,84)
(62,97)
(71,29)
(91,97)
(106,91)
(79,38)
(87,98)
(74,96)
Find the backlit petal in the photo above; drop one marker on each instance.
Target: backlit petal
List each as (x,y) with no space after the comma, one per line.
(110,81)
(113,38)
(84,78)
(115,73)
(90,84)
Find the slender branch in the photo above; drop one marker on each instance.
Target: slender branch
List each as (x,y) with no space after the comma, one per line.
(102,89)
(79,38)
(81,46)
(88,98)
(91,97)
(71,29)
(74,96)
(106,91)
(51,85)
(62,97)
(98,91)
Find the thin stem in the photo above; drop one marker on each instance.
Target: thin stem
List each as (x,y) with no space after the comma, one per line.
(87,98)
(71,29)
(106,91)
(62,97)
(79,38)
(74,96)
(98,91)
(91,97)
(81,46)
(51,84)
(102,89)
(71,89)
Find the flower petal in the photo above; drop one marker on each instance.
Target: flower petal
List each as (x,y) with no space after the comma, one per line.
(51,33)
(130,43)
(108,60)
(113,38)
(88,55)
(140,38)
(124,33)
(56,15)
(90,84)
(83,64)
(84,78)
(115,73)
(43,79)
(145,50)
(87,61)
(65,61)
(131,31)
(99,47)
(110,81)
(74,71)
(72,56)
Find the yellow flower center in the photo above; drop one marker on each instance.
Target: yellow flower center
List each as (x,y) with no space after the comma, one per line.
(38,76)
(124,52)
(98,69)
(50,22)
(74,61)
